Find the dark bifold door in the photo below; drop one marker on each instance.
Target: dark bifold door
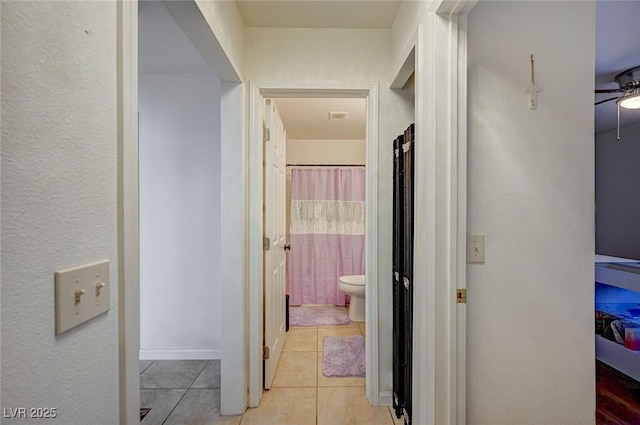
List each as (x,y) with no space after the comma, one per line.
(403,205)
(398,290)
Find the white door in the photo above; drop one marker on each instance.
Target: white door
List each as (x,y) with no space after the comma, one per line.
(274,225)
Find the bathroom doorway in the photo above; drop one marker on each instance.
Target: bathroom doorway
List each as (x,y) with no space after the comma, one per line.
(302,366)
(325,239)
(287,94)
(314,226)
(325,159)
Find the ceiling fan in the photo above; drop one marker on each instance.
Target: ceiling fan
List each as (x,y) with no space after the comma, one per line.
(629,85)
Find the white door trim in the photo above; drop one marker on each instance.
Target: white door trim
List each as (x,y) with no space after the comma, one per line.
(424,304)
(255,183)
(235,353)
(128,225)
(459,217)
(439,349)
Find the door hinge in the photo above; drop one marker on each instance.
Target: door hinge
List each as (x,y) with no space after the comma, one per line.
(461,296)
(265,353)
(266,134)
(266,244)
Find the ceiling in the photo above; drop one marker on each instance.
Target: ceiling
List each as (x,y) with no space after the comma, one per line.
(168,50)
(309,118)
(617,49)
(617,34)
(319,13)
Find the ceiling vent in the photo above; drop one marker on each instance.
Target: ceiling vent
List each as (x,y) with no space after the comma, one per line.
(338,116)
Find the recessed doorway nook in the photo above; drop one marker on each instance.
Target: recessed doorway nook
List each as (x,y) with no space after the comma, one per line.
(189,17)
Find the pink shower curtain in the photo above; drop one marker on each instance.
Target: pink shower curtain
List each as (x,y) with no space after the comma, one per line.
(326,232)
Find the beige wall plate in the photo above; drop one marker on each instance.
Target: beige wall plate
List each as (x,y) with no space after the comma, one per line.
(81,293)
(475,248)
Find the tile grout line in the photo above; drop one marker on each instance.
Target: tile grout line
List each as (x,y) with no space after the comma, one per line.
(174,407)
(198,375)
(289,388)
(186,390)
(142,371)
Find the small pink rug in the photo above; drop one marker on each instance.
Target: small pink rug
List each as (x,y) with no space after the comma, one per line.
(318,316)
(343,356)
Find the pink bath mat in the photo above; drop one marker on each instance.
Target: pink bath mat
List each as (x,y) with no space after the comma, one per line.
(318,316)
(343,356)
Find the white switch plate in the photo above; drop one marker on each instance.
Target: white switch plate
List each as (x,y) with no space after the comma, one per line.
(475,248)
(93,279)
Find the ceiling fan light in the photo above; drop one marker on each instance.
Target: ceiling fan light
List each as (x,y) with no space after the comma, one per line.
(630,100)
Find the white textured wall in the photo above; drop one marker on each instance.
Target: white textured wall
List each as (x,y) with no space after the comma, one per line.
(179,216)
(617,203)
(530,352)
(404,28)
(285,55)
(227,26)
(59,199)
(313,151)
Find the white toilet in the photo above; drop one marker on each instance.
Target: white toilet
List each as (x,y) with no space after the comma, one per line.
(354,287)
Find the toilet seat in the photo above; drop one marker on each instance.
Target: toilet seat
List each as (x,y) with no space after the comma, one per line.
(353,280)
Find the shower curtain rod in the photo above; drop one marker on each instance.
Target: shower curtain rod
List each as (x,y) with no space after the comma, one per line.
(325,165)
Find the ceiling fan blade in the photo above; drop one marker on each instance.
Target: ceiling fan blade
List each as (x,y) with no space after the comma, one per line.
(606,100)
(609,90)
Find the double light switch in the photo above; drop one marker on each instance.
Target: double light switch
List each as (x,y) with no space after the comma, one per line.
(81,294)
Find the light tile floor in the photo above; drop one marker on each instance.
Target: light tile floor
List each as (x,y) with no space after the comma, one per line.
(302,395)
(188,391)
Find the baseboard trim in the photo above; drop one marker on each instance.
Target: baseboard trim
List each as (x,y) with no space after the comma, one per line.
(180,354)
(384,398)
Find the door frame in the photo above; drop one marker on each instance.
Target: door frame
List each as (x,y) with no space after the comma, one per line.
(441,147)
(234,365)
(437,53)
(258,91)
(128,223)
